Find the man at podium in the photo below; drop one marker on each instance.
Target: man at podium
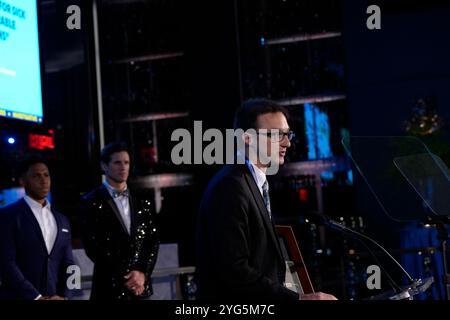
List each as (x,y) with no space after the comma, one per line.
(239,255)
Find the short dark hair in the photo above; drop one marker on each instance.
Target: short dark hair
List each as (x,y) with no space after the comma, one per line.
(108,150)
(29,161)
(246,116)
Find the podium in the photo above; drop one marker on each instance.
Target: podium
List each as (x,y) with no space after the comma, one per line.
(411,185)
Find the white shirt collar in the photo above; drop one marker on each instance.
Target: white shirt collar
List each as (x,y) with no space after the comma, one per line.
(258,175)
(36,205)
(111,189)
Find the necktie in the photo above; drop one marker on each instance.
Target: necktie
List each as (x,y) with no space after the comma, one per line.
(265,188)
(116,194)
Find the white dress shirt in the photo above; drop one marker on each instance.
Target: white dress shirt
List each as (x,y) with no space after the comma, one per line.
(46,220)
(123,204)
(260,178)
(258,175)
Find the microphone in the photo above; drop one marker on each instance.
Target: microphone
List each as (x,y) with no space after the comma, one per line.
(359,236)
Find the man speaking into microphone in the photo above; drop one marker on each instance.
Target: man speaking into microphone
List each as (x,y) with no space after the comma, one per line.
(239,256)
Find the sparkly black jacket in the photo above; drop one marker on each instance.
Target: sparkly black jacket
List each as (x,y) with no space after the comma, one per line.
(113,251)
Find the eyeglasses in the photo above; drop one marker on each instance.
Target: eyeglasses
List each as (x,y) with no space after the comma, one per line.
(277,135)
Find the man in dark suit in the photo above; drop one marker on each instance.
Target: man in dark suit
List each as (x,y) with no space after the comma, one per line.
(35,241)
(239,255)
(119,232)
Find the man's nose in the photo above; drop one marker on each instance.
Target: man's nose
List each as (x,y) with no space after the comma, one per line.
(44,180)
(285,142)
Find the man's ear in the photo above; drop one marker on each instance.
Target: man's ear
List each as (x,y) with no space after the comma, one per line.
(22,181)
(103,166)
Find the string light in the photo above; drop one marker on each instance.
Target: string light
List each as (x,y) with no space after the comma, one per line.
(424,121)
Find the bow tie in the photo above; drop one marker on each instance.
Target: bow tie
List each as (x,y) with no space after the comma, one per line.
(125,193)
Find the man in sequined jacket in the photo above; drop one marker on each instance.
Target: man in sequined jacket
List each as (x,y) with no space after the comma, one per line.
(119,232)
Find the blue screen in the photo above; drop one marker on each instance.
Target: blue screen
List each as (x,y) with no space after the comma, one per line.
(20,72)
(317,127)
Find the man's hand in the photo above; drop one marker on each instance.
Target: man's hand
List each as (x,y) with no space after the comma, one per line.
(55,298)
(135,282)
(43,298)
(317,296)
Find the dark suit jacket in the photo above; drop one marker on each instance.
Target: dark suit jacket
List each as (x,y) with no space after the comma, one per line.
(27,268)
(113,251)
(238,254)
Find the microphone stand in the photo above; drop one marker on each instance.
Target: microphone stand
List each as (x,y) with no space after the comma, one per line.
(341,227)
(359,236)
(395,287)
